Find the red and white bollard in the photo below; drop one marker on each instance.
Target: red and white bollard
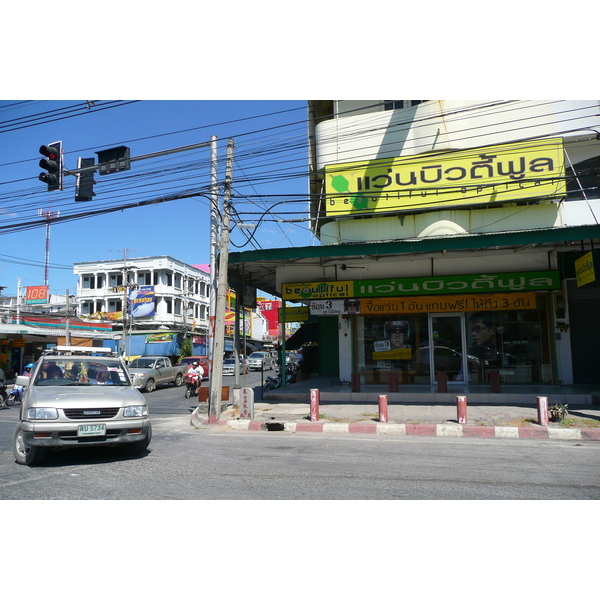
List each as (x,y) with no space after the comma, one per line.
(542,410)
(314,405)
(461,409)
(383,408)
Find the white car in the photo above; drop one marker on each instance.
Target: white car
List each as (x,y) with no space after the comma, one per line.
(77,397)
(261,361)
(229,366)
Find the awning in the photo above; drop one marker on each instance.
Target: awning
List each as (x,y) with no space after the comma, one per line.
(306,333)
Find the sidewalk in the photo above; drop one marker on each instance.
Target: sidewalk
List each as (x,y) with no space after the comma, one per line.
(289,411)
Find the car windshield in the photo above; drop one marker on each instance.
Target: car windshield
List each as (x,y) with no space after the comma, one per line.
(257,355)
(76,370)
(229,361)
(144,363)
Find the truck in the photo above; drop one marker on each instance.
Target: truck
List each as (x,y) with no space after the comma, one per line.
(149,371)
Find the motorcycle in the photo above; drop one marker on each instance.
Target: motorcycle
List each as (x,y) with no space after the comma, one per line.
(190,384)
(272,383)
(5,399)
(15,395)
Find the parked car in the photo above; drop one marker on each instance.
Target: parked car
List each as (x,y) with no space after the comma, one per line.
(261,361)
(77,397)
(201,360)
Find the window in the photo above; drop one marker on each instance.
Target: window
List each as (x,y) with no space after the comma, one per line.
(115,279)
(394,104)
(88,282)
(144,278)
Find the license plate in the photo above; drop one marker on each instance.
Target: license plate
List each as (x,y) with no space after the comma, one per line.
(92,429)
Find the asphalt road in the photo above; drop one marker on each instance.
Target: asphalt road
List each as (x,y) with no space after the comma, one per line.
(219,464)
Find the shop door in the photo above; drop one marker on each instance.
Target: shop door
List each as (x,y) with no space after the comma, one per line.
(447,338)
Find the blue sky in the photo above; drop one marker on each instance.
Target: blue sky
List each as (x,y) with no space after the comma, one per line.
(270,161)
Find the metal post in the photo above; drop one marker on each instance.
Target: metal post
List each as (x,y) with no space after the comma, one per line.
(461,409)
(382,401)
(542,410)
(314,405)
(216,379)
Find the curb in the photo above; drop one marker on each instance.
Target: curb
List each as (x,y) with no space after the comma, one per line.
(431,430)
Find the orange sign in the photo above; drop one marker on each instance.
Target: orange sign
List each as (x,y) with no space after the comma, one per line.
(453,303)
(36,294)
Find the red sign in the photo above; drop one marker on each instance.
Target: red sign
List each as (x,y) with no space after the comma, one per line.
(37,294)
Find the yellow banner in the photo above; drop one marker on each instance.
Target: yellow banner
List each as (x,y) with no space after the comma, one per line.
(458,303)
(584,269)
(492,174)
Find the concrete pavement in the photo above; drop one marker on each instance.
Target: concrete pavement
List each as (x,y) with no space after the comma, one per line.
(291,412)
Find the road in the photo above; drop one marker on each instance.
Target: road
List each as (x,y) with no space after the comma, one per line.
(219,464)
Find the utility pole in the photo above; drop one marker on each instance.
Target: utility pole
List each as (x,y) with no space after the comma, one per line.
(214,233)
(67,321)
(216,373)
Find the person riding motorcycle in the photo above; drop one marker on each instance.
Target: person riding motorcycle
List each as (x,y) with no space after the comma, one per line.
(196,371)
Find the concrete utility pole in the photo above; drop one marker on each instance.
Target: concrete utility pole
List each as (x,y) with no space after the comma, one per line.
(216,374)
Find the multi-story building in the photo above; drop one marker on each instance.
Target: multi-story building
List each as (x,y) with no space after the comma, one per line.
(457,238)
(164,294)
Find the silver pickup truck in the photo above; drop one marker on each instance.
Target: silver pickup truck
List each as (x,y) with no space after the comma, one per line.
(149,371)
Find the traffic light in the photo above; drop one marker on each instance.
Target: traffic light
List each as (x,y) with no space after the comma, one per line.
(84,188)
(53,165)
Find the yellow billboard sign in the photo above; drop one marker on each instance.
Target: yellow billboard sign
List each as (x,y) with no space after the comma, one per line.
(294,314)
(502,173)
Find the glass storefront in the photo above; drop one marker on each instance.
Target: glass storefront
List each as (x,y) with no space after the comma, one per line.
(515,343)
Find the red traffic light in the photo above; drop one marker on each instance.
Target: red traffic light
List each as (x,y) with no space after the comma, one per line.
(50,151)
(53,165)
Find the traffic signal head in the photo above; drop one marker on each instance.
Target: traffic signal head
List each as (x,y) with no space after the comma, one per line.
(84,188)
(53,166)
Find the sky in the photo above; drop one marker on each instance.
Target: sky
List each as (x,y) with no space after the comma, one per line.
(270,164)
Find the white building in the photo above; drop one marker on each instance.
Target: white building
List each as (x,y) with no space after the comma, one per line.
(167,292)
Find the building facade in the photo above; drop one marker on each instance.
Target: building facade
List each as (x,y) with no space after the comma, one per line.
(162,292)
(455,240)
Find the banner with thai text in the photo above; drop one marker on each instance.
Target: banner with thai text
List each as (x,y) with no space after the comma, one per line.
(491,174)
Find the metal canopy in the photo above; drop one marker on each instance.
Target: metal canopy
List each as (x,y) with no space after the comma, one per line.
(258,267)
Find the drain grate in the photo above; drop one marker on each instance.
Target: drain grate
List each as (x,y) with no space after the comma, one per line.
(274,426)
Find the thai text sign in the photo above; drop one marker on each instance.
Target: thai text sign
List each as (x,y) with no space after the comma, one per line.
(36,294)
(458,303)
(502,173)
(294,314)
(416,286)
(584,269)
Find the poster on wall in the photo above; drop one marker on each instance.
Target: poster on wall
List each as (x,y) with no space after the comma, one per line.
(396,342)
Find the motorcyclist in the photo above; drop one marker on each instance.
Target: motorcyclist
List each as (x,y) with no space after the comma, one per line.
(196,371)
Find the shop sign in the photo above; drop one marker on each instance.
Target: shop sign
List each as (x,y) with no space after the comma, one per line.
(411,286)
(455,284)
(36,294)
(294,314)
(455,303)
(584,269)
(492,174)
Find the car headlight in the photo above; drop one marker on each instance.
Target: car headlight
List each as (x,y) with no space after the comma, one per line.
(38,414)
(136,411)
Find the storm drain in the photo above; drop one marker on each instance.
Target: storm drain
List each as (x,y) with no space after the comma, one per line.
(273,426)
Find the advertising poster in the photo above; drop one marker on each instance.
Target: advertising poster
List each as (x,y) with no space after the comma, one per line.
(142,302)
